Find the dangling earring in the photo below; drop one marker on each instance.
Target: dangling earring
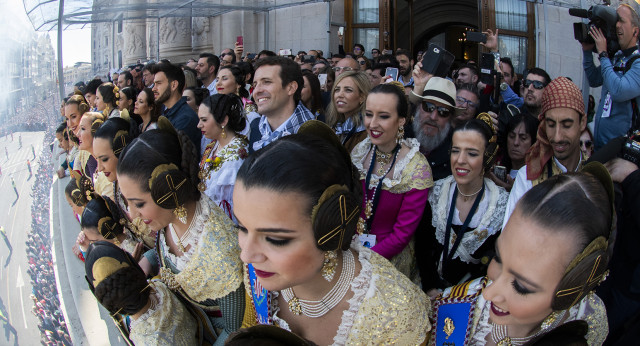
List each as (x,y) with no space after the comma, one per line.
(224,134)
(181,213)
(549,320)
(400,134)
(329,265)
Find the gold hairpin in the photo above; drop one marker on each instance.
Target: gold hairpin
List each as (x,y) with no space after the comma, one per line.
(344,220)
(159,170)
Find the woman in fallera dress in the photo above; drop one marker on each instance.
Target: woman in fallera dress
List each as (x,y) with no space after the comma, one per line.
(297,202)
(467,210)
(396,179)
(221,120)
(196,251)
(549,258)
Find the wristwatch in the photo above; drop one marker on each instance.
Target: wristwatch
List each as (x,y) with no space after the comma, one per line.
(504,86)
(603,54)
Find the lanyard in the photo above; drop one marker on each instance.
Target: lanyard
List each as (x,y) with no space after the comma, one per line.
(376,191)
(446,254)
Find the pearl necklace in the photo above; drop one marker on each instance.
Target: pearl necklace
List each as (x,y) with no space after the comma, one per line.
(469,195)
(188,235)
(319,308)
(499,333)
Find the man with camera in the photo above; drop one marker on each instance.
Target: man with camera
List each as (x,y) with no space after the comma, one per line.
(619,75)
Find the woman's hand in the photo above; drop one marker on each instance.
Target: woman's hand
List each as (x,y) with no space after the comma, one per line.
(145,265)
(507,185)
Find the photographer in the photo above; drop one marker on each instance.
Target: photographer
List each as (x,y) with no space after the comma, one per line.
(620,84)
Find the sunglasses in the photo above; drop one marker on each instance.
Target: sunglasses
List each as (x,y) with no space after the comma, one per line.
(463,102)
(536,84)
(338,69)
(362,62)
(586,144)
(430,108)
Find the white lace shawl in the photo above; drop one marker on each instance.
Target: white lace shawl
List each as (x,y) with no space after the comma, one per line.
(486,221)
(196,227)
(361,150)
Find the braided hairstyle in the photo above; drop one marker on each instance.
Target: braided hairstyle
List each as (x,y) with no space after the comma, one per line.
(79,189)
(123,291)
(582,205)
(110,95)
(119,132)
(163,146)
(314,164)
(223,105)
(103,214)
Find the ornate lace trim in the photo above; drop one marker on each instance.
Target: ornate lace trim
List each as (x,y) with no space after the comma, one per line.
(400,174)
(197,226)
(158,296)
(359,286)
(490,223)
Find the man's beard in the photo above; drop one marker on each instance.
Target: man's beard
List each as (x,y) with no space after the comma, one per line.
(164,96)
(428,143)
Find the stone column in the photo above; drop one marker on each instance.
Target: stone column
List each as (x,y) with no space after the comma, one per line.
(135,42)
(175,39)
(201,40)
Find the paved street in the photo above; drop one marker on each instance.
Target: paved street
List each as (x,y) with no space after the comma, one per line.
(15,286)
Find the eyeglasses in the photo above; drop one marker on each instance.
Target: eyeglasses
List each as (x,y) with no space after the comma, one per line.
(356,48)
(586,144)
(461,101)
(536,84)
(338,69)
(430,108)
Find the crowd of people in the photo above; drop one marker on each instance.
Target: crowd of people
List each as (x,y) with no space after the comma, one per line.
(319,200)
(44,293)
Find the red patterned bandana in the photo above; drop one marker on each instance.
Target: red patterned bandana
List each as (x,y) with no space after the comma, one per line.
(560,93)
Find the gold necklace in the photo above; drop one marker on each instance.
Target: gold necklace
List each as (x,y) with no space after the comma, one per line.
(382,159)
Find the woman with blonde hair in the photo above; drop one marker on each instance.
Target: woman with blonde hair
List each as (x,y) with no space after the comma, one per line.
(345,112)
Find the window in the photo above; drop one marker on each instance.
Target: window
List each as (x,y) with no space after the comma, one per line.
(516,22)
(363,25)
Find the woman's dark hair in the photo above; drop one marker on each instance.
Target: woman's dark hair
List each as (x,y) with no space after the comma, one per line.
(151,103)
(307,164)
(530,127)
(239,78)
(487,133)
(108,95)
(102,214)
(119,132)
(222,105)
(125,291)
(80,101)
(402,105)
(247,70)
(61,127)
(78,190)
(580,204)
(130,93)
(316,93)
(199,94)
(162,147)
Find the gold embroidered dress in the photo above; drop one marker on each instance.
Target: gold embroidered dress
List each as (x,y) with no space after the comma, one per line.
(386,308)
(167,322)
(209,273)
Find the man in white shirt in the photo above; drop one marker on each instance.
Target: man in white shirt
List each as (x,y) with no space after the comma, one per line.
(557,149)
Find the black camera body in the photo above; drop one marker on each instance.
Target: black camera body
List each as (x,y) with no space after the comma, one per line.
(602,17)
(631,148)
